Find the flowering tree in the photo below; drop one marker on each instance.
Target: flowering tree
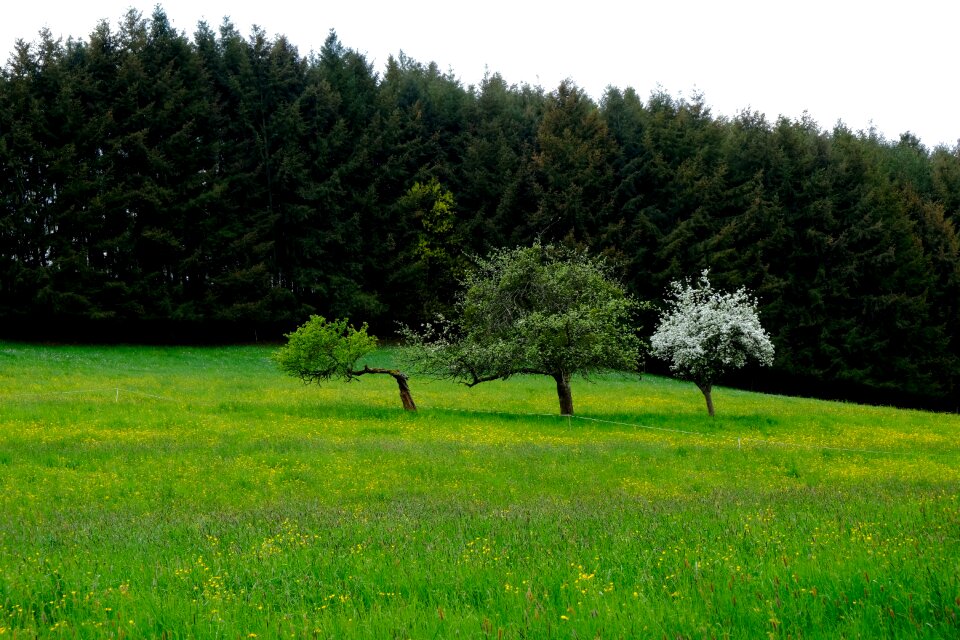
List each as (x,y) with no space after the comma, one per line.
(538,310)
(704,333)
(321,350)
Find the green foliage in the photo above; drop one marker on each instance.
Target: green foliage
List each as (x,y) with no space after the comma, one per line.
(436,260)
(434,207)
(573,168)
(320,350)
(541,309)
(155,186)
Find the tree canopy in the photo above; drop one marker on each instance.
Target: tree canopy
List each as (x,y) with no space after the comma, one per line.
(543,310)
(224,186)
(321,350)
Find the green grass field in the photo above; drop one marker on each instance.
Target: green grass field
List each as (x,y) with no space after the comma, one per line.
(196,492)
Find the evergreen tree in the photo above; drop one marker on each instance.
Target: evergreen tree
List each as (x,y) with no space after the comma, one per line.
(573,163)
(414,137)
(495,181)
(337,109)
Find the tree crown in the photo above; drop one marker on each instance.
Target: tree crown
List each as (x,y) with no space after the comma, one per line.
(320,350)
(540,309)
(704,333)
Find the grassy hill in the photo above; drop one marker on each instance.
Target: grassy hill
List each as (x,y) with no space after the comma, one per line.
(196,492)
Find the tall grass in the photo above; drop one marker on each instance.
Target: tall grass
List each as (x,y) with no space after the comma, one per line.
(180,493)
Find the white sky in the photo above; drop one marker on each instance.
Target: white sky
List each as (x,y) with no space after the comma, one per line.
(881,63)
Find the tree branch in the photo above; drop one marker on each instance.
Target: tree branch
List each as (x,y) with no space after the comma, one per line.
(405,396)
(396,373)
(503,376)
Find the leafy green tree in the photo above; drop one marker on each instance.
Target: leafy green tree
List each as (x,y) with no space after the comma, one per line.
(705,333)
(540,310)
(436,261)
(413,137)
(321,350)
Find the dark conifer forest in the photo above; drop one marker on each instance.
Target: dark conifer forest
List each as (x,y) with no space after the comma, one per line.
(156,187)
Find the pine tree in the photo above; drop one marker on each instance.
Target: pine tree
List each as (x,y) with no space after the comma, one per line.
(574,161)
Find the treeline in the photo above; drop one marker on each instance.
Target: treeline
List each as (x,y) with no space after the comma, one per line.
(158,187)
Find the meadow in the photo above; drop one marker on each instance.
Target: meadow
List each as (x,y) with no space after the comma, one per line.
(151,492)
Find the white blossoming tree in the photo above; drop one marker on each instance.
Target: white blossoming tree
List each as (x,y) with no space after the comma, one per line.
(704,333)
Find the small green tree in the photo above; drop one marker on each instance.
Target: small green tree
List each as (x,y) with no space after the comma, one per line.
(321,350)
(537,310)
(434,261)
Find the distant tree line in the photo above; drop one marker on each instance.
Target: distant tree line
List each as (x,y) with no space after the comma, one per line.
(158,187)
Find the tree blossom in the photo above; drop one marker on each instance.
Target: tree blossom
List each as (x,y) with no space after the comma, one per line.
(704,333)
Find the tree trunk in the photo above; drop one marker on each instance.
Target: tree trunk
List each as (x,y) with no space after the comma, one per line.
(405,396)
(707,390)
(563,393)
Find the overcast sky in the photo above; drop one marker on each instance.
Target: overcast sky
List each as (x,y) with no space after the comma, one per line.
(890,65)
